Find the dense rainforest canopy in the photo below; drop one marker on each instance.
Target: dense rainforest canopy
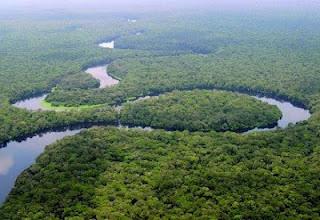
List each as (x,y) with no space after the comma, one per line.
(38,54)
(201,110)
(131,174)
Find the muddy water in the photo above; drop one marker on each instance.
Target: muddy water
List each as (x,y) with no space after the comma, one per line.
(101,74)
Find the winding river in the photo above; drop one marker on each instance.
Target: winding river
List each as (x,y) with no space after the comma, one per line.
(291,114)
(100,73)
(17,156)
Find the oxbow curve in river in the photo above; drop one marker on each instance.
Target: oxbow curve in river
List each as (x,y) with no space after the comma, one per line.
(100,73)
(16,157)
(290,113)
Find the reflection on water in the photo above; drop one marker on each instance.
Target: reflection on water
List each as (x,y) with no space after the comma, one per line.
(6,162)
(101,74)
(16,157)
(290,113)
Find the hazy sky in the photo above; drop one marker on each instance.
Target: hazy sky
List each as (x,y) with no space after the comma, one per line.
(160,4)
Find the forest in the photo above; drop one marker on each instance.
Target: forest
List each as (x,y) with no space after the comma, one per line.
(18,124)
(290,77)
(201,110)
(288,70)
(195,170)
(109,173)
(43,54)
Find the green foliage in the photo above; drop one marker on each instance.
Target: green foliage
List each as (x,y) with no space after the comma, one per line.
(264,71)
(40,53)
(279,58)
(16,123)
(78,80)
(200,110)
(108,173)
(130,174)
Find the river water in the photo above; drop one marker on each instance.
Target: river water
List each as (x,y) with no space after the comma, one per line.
(17,156)
(32,104)
(290,114)
(100,73)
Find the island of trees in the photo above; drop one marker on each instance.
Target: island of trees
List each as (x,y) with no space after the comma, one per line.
(110,173)
(200,110)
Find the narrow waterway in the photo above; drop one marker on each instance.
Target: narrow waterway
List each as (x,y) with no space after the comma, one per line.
(32,104)
(290,114)
(100,73)
(17,156)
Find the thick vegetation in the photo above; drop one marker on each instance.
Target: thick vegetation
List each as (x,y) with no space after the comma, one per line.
(78,80)
(44,52)
(16,123)
(118,174)
(201,110)
(242,55)
(290,76)
(109,173)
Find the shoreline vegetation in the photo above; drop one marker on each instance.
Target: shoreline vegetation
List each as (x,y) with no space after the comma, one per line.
(111,173)
(201,110)
(48,106)
(174,171)
(40,121)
